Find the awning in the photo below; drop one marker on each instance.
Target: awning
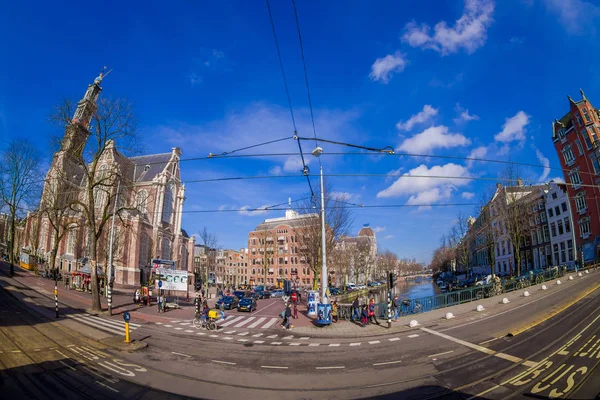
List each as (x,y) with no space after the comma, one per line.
(68,257)
(281,238)
(86,270)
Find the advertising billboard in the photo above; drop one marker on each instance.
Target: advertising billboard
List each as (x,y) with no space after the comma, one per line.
(172,279)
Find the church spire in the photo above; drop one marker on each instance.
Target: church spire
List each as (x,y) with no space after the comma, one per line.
(582,94)
(87,105)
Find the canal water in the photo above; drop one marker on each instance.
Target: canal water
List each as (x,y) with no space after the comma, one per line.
(409,290)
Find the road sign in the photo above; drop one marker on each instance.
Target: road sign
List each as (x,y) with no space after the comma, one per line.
(126,316)
(159,284)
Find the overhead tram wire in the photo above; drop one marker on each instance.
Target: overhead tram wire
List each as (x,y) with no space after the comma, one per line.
(305,169)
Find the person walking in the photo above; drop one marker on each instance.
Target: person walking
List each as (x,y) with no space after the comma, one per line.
(334,312)
(396,308)
(288,317)
(372,316)
(159,301)
(355,310)
(364,317)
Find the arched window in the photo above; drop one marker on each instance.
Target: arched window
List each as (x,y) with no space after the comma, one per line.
(166,249)
(71,241)
(144,251)
(44,236)
(141,202)
(167,211)
(99,189)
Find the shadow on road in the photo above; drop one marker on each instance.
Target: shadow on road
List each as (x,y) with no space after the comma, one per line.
(428,392)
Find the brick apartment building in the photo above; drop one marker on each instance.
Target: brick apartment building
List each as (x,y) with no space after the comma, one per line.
(575,138)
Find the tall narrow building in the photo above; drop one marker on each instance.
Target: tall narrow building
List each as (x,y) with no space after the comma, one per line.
(575,138)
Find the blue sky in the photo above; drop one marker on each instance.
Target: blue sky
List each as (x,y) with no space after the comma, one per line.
(435,77)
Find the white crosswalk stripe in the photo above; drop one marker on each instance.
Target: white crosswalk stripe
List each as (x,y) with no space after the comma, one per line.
(228,321)
(106,325)
(257,322)
(243,322)
(270,323)
(239,321)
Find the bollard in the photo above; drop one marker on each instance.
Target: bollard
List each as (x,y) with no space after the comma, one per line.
(389,309)
(127,332)
(56,297)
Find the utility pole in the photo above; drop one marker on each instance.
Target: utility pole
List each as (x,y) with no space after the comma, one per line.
(110,252)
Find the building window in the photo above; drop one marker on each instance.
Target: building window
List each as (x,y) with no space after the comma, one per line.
(557,211)
(546,233)
(141,201)
(551,212)
(578,117)
(166,249)
(579,147)
(564,206)
(554,196)
(44,237)
(167,211)
(584,227)
(553,228)
(586,116)
(570,249)
(99,188)
(580,202)
(567,224)
(71,241)
(540,237)
(568,154)
(543,216)
(575,179)
(560,227)
(587,138)
(556,259)
(596,163)
(563,254)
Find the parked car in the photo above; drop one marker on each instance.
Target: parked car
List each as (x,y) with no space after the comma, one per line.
(240,294)
(263,294)
(335,291)
(277,293)
(229,302)
(247,304)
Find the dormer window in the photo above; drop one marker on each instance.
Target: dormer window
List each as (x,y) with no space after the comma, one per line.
(578,119)
(561,133)
(586,116)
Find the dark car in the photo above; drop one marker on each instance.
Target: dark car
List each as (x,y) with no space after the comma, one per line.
(263,294)
(240,294)
(229,302)
(247,304)
(335,291)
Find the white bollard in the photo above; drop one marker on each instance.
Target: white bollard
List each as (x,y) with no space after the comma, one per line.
(526,294)
(413,323)
(570,277)
(587,271)
(480,308)
(505,301)
(449,315)
(580,274)
(544,287)
(558,282)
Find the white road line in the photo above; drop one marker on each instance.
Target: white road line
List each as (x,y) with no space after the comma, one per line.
(441,354)
(374,342)
(67,365)
(334,345)
(168,326)
(304,338)
(16,351)
(188,331)
(200,333)
(482,349)
(229,332)
(271,336)
(314,344)
(413,336)
(243,333)
(257,322)
(102,325)
(107,321)
(180,354)
(178,328)
(70,345)
(354,344)
(243,340)
(98,375)
(184,323)
(176,321)
(158,323)
(394,339)
(270,323)
(288,337)
(335,367)
(259,341)
(295,344)
(276,343)
(227,338)
(214,335)
(491,340)
(244,322)
(388,362)
(223,362)
(108,387)
(258,335)
(273,367)
(231,321)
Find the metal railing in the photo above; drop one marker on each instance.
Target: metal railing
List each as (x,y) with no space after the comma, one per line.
(448,299)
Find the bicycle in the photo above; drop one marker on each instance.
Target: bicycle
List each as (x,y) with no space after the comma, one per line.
(210,322)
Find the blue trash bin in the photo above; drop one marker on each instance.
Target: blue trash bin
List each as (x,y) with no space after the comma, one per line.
(324,314)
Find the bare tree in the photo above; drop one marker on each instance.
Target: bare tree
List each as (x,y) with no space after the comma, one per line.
(387,262)
(20,183)
(458,239)
(339,261)
(338,222)
(210,242)
(107,123)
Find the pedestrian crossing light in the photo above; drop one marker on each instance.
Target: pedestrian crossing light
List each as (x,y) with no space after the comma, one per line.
(392,279)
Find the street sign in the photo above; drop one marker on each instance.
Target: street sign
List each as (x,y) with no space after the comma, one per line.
(159,284)
(163,264)
(126,316)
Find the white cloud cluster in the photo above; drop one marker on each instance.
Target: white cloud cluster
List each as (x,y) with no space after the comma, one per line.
(545,162)
(433,138)
(383,68)
(378,229)
(513,128)
(469,31)
(421,117)
(249,211)
(464,115)
(478,152)
(467,195)
(576,16)
(428,185)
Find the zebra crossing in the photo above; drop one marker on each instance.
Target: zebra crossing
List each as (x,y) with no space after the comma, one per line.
(248,322)
(105,325)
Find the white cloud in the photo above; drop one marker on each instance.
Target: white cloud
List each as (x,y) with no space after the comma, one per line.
(545,162)
(421,117)
(388,237)
(517,40)
(345,196)
(432,138)
(576,16)
(378,229)
(383,68)
(428,184)
(195,79)
(479,152)
(276,170)
(469,31)
(513,128)
(558,179)
(464,115)
(467,195)
(294,164)
(249,211)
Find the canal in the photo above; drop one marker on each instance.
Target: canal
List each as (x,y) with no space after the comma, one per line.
(414,290)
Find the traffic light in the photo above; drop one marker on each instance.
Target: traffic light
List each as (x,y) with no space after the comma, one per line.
(391,280)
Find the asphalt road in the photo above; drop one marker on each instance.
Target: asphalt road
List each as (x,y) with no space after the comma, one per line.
(470,358)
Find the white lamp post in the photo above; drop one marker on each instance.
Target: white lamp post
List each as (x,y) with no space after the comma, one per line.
(324,300)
